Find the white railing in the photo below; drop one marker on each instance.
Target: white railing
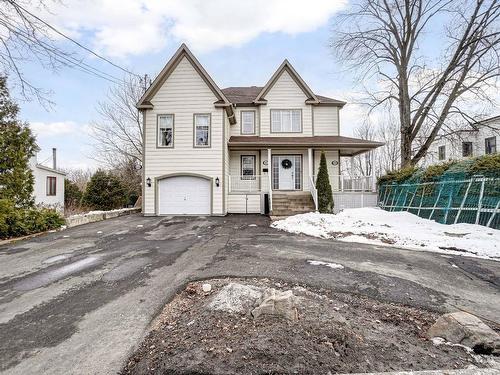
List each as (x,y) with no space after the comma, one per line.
(247,184)
(347,183)
(314,191)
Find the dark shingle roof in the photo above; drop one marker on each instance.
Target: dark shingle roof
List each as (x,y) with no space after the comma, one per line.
(241,95)
(246,95)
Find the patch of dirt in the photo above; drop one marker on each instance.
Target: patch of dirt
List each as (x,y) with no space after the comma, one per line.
(335,332)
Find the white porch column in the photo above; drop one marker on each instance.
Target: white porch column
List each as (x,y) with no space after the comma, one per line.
(310,161)
(270,177)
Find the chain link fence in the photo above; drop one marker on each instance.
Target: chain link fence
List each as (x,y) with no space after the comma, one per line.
(454,199)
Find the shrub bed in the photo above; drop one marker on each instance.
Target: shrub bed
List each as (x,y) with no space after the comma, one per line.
(16,222)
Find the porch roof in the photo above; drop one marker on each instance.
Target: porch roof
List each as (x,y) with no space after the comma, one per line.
(346,145)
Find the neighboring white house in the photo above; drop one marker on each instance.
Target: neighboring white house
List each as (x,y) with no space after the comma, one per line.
(212,151)
(480,138)
(49,183)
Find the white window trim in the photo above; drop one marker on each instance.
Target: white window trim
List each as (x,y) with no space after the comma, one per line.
(158,144)
(291,110)
(47,186)
(494,138)
(439,152)
(242,132)
(209,115)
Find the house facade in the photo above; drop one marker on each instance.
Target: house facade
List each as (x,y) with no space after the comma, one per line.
(212,151)
(480,138)
(48,189)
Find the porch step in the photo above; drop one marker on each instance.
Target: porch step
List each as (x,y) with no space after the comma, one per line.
(293,203)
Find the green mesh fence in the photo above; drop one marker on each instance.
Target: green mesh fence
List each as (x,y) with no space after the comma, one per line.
(454,198)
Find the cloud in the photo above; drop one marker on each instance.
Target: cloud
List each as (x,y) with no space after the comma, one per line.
(53,129)
(121,28)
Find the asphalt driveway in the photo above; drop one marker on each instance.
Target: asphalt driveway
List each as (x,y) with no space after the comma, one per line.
(80,300)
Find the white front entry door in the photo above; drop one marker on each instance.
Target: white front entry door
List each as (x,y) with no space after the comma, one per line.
(184,195)
(286,167)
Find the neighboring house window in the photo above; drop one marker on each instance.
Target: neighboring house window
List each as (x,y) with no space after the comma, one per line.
(466,149)
(247,122)
(490,145)
(51,185)
(442,152)
(202,130)
(286,120)
(166,131)
(248,167)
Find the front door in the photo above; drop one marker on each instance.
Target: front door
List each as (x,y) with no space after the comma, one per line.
(286,172)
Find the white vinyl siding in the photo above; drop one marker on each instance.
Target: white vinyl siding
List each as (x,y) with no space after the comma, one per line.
(202,130)
(184,93)
(286,120)
(285,94)
(165,130)
(247,122)
(326,120)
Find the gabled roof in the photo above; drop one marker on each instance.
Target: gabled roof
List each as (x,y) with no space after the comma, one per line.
(286,66)
(183,51)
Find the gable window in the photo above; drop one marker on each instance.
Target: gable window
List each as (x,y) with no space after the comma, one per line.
(248,167)
(202,130)
(466,149)
(442,152)
(165,131)
(286,120)
(490,145)
(247,122)
(51,186)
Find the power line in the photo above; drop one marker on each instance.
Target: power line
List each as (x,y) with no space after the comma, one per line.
(68,59)
(73,40)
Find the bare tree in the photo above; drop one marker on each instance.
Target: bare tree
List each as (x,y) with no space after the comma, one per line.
(24,37)
(118,133)
(79,176)
(382,39)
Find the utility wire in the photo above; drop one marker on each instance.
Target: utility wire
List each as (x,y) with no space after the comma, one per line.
(72,40)
(68,59)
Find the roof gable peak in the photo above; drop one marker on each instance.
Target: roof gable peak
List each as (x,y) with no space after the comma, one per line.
(287,66)
(182,51)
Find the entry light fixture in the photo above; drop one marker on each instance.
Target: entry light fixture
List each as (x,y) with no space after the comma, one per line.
(148,182)
(217,181)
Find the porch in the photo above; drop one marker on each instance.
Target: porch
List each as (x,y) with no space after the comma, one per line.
(270,174)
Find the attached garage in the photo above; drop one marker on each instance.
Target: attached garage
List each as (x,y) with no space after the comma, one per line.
(184,195)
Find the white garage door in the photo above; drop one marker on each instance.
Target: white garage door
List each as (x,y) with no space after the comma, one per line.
(184,195)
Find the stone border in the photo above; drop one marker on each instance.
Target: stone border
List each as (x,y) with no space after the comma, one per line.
(93,216)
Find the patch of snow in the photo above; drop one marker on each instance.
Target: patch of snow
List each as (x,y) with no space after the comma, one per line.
(99,231)
(398,229)
(331,265)
(454,265)
(252,225)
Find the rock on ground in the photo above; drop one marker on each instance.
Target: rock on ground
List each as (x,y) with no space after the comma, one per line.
(468,330)
(236,298)
(273,302)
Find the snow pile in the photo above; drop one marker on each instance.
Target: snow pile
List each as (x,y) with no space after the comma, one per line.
(335,266)
(398,229)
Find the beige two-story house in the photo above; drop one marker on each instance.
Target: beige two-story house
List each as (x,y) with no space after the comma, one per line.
(212,151)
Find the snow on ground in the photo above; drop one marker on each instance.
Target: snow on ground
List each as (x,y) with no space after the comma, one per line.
(397,229)
(320,263)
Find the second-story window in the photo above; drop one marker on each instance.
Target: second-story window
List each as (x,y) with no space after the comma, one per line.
(442,152)
(247,122)
(466,149)
(490,145)
(202,130)
(286,121)
(165,131)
